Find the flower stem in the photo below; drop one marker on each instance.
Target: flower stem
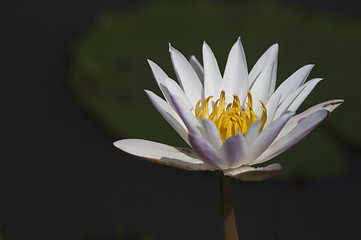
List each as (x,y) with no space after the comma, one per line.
(229,223)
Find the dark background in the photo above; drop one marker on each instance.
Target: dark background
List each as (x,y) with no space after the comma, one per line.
(61,177)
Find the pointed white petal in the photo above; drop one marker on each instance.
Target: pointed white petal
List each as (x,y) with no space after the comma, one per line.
(330,106)
(198,68)
(235,77)
(246,173)
(234,150)
(264,61)
(212,134)
(183,158)
(160,76)
(287,102)
(266,137)
(260,88)
(186,75)
(174,89)
(212,75)
(299,132)
(293,82)
(206,151)
(309,86)
(168,114)
(294,100)
(189,119)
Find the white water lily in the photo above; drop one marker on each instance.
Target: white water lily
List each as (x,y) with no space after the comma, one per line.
(234,122)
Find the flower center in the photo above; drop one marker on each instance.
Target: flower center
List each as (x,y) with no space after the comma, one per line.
(231,118)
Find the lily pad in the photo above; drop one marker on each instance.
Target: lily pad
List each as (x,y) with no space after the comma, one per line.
(109,70)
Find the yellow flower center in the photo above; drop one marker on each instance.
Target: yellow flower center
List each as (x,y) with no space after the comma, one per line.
(231,118)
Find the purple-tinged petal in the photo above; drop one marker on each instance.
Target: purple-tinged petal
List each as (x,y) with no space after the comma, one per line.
(266,137)
(234,150)
(174,89)
(169,114)
(299,132)
(330,106)
(187,116)
(183,158)
(247,173)
(206,151)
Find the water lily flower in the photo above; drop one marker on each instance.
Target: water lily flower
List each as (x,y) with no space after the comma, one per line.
(233,122)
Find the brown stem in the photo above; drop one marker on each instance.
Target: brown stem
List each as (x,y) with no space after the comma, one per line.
(229,223)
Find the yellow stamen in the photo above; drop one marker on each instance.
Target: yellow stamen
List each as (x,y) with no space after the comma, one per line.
(236,102)
(231,118)
(264,116)
(205,108)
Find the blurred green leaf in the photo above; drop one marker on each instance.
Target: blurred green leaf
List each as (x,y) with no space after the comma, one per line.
(109,71)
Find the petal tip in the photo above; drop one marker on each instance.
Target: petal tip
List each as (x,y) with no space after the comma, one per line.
(170,47)
(118,143)
(330,106)
(150,62)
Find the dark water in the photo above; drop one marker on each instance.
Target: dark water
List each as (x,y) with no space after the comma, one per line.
(61,178)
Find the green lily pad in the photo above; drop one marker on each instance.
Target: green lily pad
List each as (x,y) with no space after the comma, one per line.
(109,69)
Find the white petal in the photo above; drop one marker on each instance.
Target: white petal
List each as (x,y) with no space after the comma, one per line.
(260,88)
(293,82)
(294,100)
(309,86)
(160,76)
(236,73)
(169,115)
(293,137)
(290,85)
(264,61)
(253,132)
(212,134)
(234,150)
(212,75)
(189,119)
(183,158)
(197,68)
(206,152)
(186,75)
(266,137)
(175,89)
(247,173)
(293,122)
(271,106)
